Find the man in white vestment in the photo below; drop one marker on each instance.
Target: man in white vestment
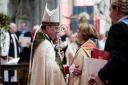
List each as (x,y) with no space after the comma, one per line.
(46,67)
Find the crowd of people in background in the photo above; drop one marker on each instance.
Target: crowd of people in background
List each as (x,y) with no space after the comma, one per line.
(11,47)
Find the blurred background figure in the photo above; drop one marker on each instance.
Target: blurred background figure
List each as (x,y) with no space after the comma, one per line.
(24,34)
(64,37)
(22,29)
(25,40)
(12,51)
(71,49)
(34,30)
(102,40)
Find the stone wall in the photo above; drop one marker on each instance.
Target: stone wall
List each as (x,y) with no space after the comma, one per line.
(3,6)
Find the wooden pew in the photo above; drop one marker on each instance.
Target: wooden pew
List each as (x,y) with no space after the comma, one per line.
(19,67)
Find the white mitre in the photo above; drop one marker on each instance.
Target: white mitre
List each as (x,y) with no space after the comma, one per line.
(51,17)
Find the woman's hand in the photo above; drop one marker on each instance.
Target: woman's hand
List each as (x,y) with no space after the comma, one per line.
(77,71)
(72,70)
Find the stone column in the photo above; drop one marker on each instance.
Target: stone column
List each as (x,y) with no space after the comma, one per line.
(66,7)
(36,12)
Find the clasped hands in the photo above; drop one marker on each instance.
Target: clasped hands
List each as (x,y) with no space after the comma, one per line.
(73,70)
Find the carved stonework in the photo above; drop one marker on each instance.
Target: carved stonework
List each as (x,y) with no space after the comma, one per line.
(24,10)
(24,13)
(30,11)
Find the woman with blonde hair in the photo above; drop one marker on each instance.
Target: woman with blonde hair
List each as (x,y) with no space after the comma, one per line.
(85,33)
(83,17)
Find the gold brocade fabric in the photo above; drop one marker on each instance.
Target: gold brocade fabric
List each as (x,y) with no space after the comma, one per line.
(82,54)
(59,62)
(40,36)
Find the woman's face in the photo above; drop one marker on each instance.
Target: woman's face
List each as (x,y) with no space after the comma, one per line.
(79,35)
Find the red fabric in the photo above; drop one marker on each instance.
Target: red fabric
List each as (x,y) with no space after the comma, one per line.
(66,70)
(100,54)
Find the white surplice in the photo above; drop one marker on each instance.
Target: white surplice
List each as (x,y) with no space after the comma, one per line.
(45,70)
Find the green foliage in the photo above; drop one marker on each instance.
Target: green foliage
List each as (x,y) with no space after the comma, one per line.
(4,21)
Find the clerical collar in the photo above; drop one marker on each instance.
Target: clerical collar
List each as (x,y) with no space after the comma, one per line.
(122,18)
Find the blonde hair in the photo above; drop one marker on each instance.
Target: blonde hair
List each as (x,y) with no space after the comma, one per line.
(89,30)
(86,28)
(83,17)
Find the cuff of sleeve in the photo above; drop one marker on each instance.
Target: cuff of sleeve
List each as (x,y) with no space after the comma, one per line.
(72,68)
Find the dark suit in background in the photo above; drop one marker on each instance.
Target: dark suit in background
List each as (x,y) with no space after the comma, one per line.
(116,70)
(25,51)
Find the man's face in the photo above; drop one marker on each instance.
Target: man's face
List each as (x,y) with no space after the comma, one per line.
(53,31)
(22,26)
(13,28)
(114,13)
